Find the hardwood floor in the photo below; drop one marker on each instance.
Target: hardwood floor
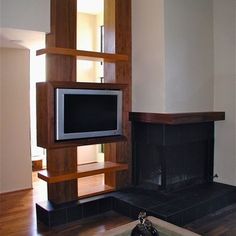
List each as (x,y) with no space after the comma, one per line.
(18,217)
(222,222)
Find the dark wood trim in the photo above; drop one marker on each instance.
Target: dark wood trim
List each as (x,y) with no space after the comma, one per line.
(176,118)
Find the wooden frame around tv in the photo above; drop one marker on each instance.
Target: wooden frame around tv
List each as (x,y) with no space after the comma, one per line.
(45,93)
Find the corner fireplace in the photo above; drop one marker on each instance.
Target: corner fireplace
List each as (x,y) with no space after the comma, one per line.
(173,151)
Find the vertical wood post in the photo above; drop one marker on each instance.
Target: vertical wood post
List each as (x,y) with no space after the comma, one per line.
(62,68)
(117,39)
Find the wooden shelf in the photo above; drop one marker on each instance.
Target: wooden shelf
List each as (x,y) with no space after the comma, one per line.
(102,189)
(82,171)
(97,181)
(176,118)
(84,55)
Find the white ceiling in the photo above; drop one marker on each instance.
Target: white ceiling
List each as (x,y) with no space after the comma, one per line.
(14,38)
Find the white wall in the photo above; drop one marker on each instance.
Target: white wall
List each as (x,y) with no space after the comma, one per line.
(148,79)
(25,14)
(188,55)
(86,40)
(15,120)
(225,89)
(1,153)
(199,68)
(172,55)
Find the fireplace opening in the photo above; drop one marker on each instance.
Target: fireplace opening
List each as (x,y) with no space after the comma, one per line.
(171,157)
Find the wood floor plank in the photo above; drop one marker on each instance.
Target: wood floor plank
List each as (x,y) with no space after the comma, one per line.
(222,222)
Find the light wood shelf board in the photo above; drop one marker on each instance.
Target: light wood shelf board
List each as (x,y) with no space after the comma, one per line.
(84,55)
(97,181)
(82,171)
(94,191)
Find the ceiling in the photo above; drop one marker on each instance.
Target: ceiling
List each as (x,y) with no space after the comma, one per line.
(15,38)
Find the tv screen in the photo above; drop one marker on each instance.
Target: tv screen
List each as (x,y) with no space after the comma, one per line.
(87,113)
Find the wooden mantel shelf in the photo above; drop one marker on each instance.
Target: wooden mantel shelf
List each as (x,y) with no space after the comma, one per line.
(84,55)
(176,118)
(82,171)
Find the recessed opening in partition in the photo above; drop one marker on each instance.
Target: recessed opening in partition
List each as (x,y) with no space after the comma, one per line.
(90,21)
(97,183)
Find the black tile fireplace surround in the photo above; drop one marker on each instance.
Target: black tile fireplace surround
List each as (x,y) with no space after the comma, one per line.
(171,156)
(172,174)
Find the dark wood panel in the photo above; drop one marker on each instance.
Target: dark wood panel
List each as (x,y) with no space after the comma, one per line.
(62,160)
(63,34)
(117,27)
(42,115)
(176,118)
(63,24)
(59,193)
(61,68)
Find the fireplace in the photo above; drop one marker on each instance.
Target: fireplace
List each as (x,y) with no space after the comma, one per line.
(173,155)
(173,159)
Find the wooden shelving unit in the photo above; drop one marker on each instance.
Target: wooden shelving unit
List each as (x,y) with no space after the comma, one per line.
(84,55)
(62,171)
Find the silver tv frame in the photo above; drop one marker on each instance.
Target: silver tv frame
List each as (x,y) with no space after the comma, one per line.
(59,118)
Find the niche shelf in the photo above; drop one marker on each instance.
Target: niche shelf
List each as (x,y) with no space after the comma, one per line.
(82,171)
(97,181)
(85,171)
(84,55)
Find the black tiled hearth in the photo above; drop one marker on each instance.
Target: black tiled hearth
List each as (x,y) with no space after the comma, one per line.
(180,207)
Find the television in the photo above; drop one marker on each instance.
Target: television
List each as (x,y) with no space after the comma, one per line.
(87,113)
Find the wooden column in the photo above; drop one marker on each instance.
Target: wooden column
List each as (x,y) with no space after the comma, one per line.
(117,39)
(62,68)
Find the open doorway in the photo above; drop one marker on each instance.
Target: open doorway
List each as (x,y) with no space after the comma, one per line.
(37,74)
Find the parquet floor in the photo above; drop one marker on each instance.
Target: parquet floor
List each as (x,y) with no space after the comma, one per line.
(18,217)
